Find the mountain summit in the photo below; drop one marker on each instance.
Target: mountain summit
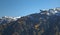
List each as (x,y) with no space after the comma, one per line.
(47,22)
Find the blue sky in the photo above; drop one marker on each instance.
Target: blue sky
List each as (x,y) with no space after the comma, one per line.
(25,7)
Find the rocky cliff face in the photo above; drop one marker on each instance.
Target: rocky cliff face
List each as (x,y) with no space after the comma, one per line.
(47,22)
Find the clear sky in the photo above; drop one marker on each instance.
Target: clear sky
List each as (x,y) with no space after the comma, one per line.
(25,7)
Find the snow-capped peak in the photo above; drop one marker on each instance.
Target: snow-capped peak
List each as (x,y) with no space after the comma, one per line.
(8,19)
(52,11)
(14,18)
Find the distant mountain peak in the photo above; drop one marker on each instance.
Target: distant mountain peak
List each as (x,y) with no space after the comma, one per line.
(8,19)
(11,17)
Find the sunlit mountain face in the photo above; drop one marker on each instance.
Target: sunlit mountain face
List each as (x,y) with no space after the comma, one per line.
(47,22)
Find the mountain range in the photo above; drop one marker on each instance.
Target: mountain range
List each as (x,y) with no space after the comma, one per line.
(47,22)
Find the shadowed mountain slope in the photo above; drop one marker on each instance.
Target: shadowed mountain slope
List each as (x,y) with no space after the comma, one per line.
(47,22)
